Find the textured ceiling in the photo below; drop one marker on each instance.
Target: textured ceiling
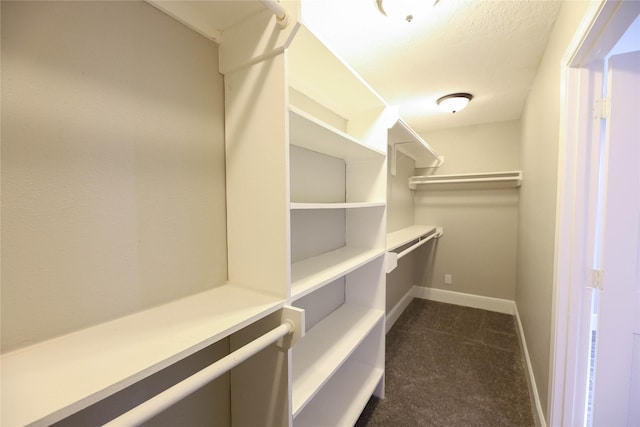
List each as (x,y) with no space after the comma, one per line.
(489,48)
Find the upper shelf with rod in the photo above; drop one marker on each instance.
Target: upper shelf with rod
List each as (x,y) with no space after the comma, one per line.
(508,179)
(420,234)
(44,383)
(403,139)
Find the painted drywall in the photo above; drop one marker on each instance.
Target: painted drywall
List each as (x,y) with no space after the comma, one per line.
(399,198)
(113,176)
(113,179)
(488,147)
(478,248)
(537,213)
(400,214)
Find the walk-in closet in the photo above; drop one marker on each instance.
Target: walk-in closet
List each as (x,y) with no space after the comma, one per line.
(211,217)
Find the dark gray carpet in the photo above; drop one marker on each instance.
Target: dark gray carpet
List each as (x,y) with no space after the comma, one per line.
(449,365)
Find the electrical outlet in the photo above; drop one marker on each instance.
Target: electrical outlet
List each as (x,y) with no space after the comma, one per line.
(448,279)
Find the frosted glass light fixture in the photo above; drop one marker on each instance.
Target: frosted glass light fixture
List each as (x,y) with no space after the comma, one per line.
(402,9)
(454,102)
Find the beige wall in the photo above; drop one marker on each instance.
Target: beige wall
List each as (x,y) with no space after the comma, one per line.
(400,212)
(487,147)
(113,180)
(536,231)
(480,225)
(399,198)
(113,172)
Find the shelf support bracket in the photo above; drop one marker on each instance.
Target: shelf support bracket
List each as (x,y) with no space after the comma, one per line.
(293,316)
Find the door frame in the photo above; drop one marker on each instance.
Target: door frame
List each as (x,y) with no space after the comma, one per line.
(581,78)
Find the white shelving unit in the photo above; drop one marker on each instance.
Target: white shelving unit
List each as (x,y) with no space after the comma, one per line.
(508,179)
(305,146)
(404,140)
(338,223)
(328,346)
(313,134)
(49,381)
(352,379)
(313,273)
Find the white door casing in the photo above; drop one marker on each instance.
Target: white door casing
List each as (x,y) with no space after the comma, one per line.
(619,301)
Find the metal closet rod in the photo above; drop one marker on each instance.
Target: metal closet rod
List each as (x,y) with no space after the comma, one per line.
(282,17)
(176,393)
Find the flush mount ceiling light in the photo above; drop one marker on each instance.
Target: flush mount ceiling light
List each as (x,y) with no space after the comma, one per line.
(454,102)
(402,9)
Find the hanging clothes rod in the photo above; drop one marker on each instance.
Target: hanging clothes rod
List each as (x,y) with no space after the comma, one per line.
(282,17)
(418,244)
(391,258)
(176,393)
(511,177)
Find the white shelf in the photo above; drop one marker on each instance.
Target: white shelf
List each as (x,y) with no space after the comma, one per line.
(51,380)
(509,179)
(354,379)
(405,140)
(308,132)
(407,235)
(326,78)
(326,347)
(357,205)
(310,274)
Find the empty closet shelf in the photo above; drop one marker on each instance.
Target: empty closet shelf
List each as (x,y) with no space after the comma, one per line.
(354,379)
(403,139)
(174,394)
(406,235)
(312,134)
(348,205)
(310,274)
(419,234)
(499,179)
(49,381)
(326,347)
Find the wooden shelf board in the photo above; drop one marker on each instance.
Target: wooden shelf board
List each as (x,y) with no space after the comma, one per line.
(326,347)
(308,132)
(54,379)
(312,273)
(348,205)
(406,235)
(354,379)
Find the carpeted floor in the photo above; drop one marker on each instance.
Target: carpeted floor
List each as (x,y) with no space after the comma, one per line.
(449,365)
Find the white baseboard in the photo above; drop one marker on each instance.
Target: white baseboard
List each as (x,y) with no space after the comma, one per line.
(533,389)
(399,308)
(467,300)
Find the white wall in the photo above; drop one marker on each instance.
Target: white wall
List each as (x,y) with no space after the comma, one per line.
(537,213)
(113,172)
(487,147)
(400,214)
(399,198)
(480,225)
(113,179)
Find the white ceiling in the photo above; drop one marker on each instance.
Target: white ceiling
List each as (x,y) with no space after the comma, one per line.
(489,48)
